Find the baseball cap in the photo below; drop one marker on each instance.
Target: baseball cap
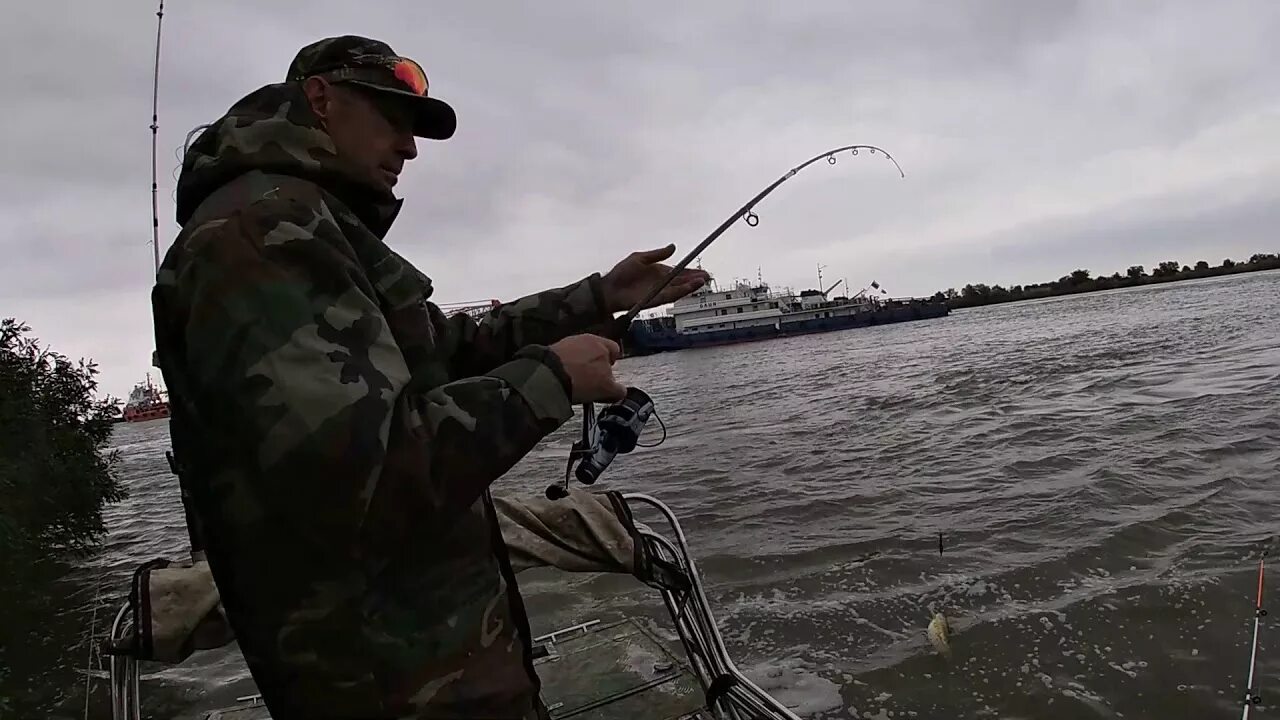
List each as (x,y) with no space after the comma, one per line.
(374,65)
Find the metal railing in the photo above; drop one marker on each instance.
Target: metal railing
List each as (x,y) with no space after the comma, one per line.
(731,694)
(124,673)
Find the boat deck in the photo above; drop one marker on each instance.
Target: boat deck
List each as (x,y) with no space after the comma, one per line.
(622,670)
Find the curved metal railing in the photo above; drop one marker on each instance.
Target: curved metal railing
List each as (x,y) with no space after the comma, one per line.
(731,694)
(124,673)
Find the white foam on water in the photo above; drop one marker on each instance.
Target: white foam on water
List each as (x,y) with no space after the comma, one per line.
(1124,670)
(980,587)
(797,686)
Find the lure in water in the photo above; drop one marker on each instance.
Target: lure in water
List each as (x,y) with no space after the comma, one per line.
(939,633)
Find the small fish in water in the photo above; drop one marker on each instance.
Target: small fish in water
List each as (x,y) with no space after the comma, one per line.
(939,633)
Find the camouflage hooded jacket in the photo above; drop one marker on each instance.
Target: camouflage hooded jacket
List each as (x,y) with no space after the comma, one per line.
(336,434)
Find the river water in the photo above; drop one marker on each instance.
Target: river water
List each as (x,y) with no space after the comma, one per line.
(1102,468)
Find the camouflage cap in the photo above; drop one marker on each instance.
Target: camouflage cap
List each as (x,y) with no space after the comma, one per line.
(373,64)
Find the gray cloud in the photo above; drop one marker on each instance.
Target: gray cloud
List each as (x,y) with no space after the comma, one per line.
(1037,137)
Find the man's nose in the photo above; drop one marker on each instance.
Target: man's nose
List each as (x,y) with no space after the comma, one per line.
(408,146)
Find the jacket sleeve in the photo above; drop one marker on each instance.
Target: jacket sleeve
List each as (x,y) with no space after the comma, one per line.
(287,351)
(585,532)
(538,319)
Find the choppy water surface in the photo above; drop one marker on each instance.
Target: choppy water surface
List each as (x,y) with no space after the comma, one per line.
(1102,468)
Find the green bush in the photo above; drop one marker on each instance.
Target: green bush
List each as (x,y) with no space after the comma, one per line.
(54,476)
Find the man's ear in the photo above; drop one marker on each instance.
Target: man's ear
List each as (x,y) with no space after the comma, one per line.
(319,96)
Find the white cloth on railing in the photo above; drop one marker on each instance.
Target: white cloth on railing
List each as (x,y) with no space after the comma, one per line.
(182,613)
(578,533)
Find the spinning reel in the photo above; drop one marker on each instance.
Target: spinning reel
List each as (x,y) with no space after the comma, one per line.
(615,431)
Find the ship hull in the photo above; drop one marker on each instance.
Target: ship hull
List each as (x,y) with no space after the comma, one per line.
(146,414)
(644,338)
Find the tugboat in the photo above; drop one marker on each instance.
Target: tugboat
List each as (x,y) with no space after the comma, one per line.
(146,402)
(753,311)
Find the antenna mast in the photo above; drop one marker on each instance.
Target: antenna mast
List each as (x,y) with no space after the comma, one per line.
(155,127)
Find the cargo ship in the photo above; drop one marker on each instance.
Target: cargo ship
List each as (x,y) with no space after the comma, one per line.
(749,311)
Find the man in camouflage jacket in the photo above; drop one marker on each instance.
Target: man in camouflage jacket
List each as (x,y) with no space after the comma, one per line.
(335,432)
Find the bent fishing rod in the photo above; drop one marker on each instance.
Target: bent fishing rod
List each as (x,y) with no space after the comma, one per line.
(748,215)
(623,422)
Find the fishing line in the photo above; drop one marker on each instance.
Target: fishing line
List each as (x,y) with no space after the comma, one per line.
(93,627)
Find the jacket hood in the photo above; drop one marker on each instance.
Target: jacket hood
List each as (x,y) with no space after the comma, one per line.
(273,130)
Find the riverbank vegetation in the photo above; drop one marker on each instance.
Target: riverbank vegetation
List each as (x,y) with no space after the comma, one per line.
(1083,281)
(55,479)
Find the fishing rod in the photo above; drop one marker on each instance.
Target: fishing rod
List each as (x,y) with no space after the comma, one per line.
(748,215)
(624,421)
(1251,696)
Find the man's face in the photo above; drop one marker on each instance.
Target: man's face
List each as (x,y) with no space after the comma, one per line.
(372,131)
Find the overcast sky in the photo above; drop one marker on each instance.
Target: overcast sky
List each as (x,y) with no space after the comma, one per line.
(1037,137)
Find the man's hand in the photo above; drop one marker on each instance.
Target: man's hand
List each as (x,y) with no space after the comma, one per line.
(632,279)
(588,360)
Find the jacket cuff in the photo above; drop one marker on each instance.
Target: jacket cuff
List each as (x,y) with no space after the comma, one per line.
(596,282)
(538,375)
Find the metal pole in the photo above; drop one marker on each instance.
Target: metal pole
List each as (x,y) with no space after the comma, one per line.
(155,127)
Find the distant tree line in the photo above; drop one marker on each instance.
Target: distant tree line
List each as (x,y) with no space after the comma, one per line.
(1083,281)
